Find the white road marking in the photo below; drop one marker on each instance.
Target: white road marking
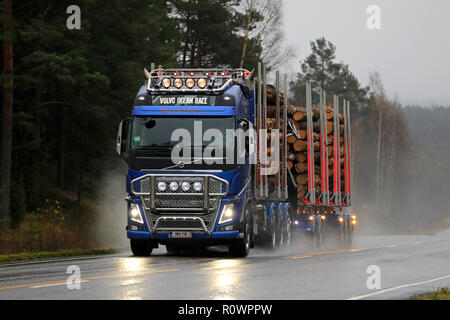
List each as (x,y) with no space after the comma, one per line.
(396,288)
(56,284)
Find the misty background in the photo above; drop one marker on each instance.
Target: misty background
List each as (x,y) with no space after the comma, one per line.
(71,88)
(401,163)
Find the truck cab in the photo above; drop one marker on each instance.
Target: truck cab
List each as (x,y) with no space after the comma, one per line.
(189,179)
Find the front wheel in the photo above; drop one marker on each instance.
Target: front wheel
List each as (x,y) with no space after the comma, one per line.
(141,247)
(241,247)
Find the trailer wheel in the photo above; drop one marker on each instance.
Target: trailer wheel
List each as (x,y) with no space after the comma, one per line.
(349,240)
(241,247)
(281,225)
(273,231)
(141,247)
(318,234)
(343,233)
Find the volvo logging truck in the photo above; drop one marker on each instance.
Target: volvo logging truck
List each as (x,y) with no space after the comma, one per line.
(207,153)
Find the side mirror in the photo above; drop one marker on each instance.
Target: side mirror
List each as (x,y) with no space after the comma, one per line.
(245,125)
(122,137)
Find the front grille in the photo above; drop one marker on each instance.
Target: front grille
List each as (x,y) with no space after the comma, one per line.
(179,200)
(180,210)
(180,224)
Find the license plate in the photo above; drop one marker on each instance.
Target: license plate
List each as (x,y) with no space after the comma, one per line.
(180,234)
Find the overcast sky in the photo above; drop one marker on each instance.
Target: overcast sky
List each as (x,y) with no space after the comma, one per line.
(411,51)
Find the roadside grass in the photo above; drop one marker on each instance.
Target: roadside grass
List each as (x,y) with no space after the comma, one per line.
(440,294)
(26,256)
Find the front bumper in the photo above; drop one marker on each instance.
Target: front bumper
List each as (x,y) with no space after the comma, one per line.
(215,235)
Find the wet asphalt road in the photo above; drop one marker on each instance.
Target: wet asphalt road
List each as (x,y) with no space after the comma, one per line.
(408,264)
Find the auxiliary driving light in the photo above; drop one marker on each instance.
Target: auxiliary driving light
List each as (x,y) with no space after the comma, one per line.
(185,186)
(190,83)
(178,83)
(201,83)
(173,186)
(162,186)
(198,186)
(166,83)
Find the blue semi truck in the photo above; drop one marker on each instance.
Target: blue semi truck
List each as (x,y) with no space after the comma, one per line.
(207,167)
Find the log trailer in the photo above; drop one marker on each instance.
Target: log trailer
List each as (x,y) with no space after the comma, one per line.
(326,194)
(207,163)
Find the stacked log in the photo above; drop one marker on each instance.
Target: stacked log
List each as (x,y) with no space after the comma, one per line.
(298,146)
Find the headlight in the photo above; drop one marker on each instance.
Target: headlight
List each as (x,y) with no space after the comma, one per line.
(173,186)
(178,83)
(227,213)
(162,186)
(166,83)
(185,186)
(198,186)
(201,83)
(135,213)
(190,83)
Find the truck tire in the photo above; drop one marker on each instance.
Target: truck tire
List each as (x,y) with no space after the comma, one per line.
(349,240)
(318,234)
(241,247)
(288,228)
(141,247)
(173,249)
(280,231)
(273,231)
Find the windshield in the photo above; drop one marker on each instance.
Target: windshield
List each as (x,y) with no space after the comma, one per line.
(156,132)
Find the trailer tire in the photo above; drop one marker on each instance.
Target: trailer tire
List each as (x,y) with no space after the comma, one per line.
(349,240)
(288,230)
(273,231)
(241,247)
(141,247)
(318,234)
(280,231)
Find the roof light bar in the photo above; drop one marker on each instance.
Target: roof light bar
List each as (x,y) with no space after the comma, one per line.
(194,80)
